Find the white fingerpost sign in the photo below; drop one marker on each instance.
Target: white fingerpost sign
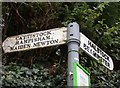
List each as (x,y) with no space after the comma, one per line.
(95,52)
(34,40)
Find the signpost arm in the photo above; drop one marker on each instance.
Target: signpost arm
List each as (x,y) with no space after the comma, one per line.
(73,42)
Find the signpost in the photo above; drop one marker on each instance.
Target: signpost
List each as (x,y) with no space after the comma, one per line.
(81,77)
(52,37)
(34,40)
(95,52)
(73,48)
(58,36)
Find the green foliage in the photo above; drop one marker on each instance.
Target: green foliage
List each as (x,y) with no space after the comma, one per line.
(99,21)
(14,75)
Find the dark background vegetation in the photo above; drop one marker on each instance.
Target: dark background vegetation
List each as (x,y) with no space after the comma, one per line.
(47,67)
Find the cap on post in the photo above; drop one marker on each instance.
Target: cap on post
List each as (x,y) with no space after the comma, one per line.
(73,33)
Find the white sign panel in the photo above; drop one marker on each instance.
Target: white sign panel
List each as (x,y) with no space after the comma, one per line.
(94,51)
(81,77)
(33,40)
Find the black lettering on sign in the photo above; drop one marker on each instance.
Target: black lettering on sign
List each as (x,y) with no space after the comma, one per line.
(89,43)
(29,41)
(47,37)
(42,43)
(86,47)
(18,38)
(37,39)
(38,44)
(91,51)
(92,45)
(94,53)
(41,38)
(13,48)
(98,56)
(98,50)
(52,42)
(45,33)
(21,42)
(17,42)
(106,63)
(34,35)
(56,41)
(107,58)
(35,44)
(25,41)
(45,43)
(25,46)
(49,33)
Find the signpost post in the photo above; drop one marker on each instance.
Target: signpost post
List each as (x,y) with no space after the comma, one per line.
(73,48)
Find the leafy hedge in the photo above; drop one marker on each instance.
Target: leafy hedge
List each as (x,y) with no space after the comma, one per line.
(20,76)
(100,22)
